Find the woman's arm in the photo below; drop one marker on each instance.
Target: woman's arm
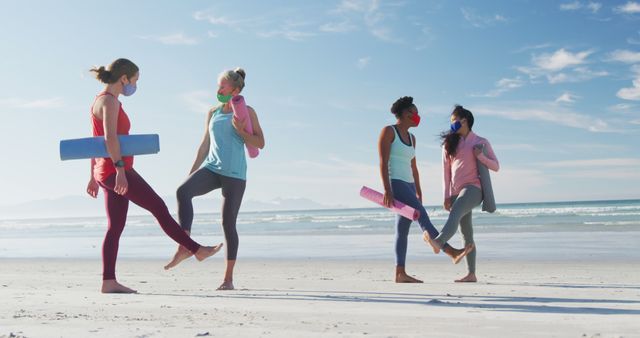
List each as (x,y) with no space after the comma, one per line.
(203,149)
(384,150)
(416,174)
(446,180)
(490,159)
(110,109)
(257,138)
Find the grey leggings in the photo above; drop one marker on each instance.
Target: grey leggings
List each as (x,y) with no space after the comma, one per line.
(203,181)
(462,206)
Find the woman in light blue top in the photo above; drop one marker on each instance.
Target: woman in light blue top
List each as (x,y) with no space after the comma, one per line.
(225,166)
(400,178)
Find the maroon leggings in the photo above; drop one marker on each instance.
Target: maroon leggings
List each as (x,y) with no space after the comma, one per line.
(140,193)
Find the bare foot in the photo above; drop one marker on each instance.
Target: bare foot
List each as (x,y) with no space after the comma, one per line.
(404,278)
(463,253)
(112,286)
(207,251)
(182,254)
(470,278)
(434,245)
(225,286)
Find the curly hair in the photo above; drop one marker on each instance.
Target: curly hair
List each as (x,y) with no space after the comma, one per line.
(401,105)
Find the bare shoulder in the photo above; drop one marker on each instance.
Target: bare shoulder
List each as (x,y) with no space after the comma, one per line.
(251,111)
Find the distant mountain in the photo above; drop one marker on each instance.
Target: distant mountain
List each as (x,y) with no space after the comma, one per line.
(80,206)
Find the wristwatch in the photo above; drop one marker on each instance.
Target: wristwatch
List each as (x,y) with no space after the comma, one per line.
(119,164)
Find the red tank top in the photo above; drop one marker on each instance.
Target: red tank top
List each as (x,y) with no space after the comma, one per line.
(104,167)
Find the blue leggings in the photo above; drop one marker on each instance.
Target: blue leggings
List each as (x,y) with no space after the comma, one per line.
(405,192)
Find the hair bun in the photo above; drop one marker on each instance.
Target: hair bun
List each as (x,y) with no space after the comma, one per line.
(241,72)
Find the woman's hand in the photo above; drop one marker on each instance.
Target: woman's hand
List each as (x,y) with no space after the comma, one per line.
(239,126)
(93,188)
(122,186)
(447,204)
(477,149)
(387,200)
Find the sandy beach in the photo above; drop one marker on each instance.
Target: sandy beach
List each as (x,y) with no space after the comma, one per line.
(313,298)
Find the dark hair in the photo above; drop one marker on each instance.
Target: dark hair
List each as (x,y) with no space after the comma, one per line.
(401,105)
(115,71)
(450,139)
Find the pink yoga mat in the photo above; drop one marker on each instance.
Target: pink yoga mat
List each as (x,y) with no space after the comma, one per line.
(398,207)
(241,113)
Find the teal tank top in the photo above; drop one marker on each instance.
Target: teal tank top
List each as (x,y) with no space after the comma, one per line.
(226,148)
(400,158)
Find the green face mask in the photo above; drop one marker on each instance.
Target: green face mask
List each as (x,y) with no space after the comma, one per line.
(224,98)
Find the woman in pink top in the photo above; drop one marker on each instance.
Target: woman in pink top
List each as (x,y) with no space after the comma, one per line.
(462,190)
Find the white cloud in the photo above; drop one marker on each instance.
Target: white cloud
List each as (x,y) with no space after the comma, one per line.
(363,62)
(562,66)
(532,47)
(566,98)
(599,162)
(625,56)
(560,59)
(502,86)
(631,7)
(373,14)
(287,33)
(545,112)
(20,103)
(216,20)
(594,7)
(631,93)
(212,34)
(172,39)
(199,101)
(571,6)
(516,146)
(479,20)
(338,27)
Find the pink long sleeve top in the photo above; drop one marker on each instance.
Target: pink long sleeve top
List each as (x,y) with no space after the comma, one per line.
(462,170)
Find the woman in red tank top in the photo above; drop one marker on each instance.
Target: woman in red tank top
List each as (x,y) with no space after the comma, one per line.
(119,181)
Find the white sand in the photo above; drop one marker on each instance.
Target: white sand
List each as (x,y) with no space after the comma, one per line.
(305,298)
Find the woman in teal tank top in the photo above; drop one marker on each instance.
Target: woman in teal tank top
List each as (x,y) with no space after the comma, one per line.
(220,163)
(401,181)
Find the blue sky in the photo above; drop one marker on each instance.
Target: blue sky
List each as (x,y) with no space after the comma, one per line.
(555,87)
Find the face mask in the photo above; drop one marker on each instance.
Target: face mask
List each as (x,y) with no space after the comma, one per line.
(129,89)
(224,98)
(455,126)
(415,118)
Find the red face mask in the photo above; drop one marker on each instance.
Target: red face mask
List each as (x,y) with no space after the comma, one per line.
(415,118)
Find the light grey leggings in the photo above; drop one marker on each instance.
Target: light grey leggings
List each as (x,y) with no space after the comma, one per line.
(462,206)
(203,181)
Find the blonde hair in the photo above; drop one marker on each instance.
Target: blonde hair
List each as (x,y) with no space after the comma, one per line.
(116,69)
(235,77)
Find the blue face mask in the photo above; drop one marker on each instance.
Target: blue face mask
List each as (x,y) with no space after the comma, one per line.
(129,89)
(455,126)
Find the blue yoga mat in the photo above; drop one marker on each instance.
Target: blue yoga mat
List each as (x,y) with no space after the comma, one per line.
(94,147)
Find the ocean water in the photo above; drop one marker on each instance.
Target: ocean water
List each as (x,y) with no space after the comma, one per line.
(541,231)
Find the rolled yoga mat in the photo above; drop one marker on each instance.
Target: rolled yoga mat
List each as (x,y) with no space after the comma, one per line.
(488,201)
(241,113)
(95,147)
(398,207)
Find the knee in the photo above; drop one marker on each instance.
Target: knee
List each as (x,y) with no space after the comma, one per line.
(183,194)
